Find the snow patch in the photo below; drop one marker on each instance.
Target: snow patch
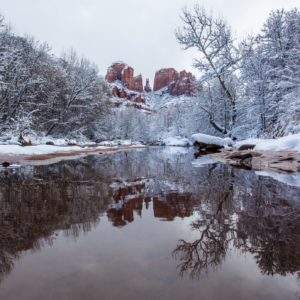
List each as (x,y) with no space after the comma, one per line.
(35,150)
(176,141)
(211,140)
(175,150)
(290,142)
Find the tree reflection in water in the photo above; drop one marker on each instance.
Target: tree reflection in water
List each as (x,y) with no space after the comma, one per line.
(249,214)
(234,208)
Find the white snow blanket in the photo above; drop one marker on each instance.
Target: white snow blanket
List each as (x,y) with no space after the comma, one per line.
(290,142)
(211,140)
(35,150)
(176,141)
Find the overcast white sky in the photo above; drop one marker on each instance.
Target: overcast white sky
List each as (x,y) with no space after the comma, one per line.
(139,32)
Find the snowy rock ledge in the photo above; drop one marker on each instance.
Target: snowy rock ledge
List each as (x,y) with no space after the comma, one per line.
(210,143)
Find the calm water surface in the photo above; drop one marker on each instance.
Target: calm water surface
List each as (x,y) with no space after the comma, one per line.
(147,225)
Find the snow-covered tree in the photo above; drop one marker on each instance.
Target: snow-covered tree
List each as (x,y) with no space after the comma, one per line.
(218,55)
(271,74)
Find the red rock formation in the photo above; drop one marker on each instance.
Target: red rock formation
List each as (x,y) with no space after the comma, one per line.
(163,78)
(183,83)
(125,74)
(127,78)
(138,84)
(114,72)
(147,88)
(131,87)
(123,94)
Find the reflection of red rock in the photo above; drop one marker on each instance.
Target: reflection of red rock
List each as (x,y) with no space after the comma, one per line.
(182,83)
(120,217)
(129,198)
(176,205)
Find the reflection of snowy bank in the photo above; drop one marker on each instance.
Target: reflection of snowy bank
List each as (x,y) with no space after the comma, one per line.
(292,180)
(203,161)
(175,151)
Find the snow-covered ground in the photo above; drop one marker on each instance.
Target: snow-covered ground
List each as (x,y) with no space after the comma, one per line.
(290,142)
(211,140)
(35,150)
(176,141)
(60,146)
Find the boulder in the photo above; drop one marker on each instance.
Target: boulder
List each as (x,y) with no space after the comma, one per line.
(210,143)
(246,147)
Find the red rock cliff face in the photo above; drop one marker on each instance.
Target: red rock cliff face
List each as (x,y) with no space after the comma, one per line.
(163,78)
(125,74)
(127,78)
(177,83)
(138,83)
(183,83)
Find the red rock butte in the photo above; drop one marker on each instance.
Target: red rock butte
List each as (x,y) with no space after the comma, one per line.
(119,71)
(177,83)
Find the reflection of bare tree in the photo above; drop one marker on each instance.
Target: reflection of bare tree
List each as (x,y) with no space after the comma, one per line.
(249,214)
(216,229)
(234,207)
(33,206)
(273,240)
(207,251)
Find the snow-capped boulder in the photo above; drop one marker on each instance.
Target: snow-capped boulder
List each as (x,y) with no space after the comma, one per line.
(209,142)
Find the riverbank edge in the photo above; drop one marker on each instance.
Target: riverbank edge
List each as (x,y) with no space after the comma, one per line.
(50,158)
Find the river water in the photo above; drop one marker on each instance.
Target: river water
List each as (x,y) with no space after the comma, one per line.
(150,224)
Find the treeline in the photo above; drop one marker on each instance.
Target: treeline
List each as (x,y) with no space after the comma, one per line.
(60,96)
(250,86)
(247,88)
